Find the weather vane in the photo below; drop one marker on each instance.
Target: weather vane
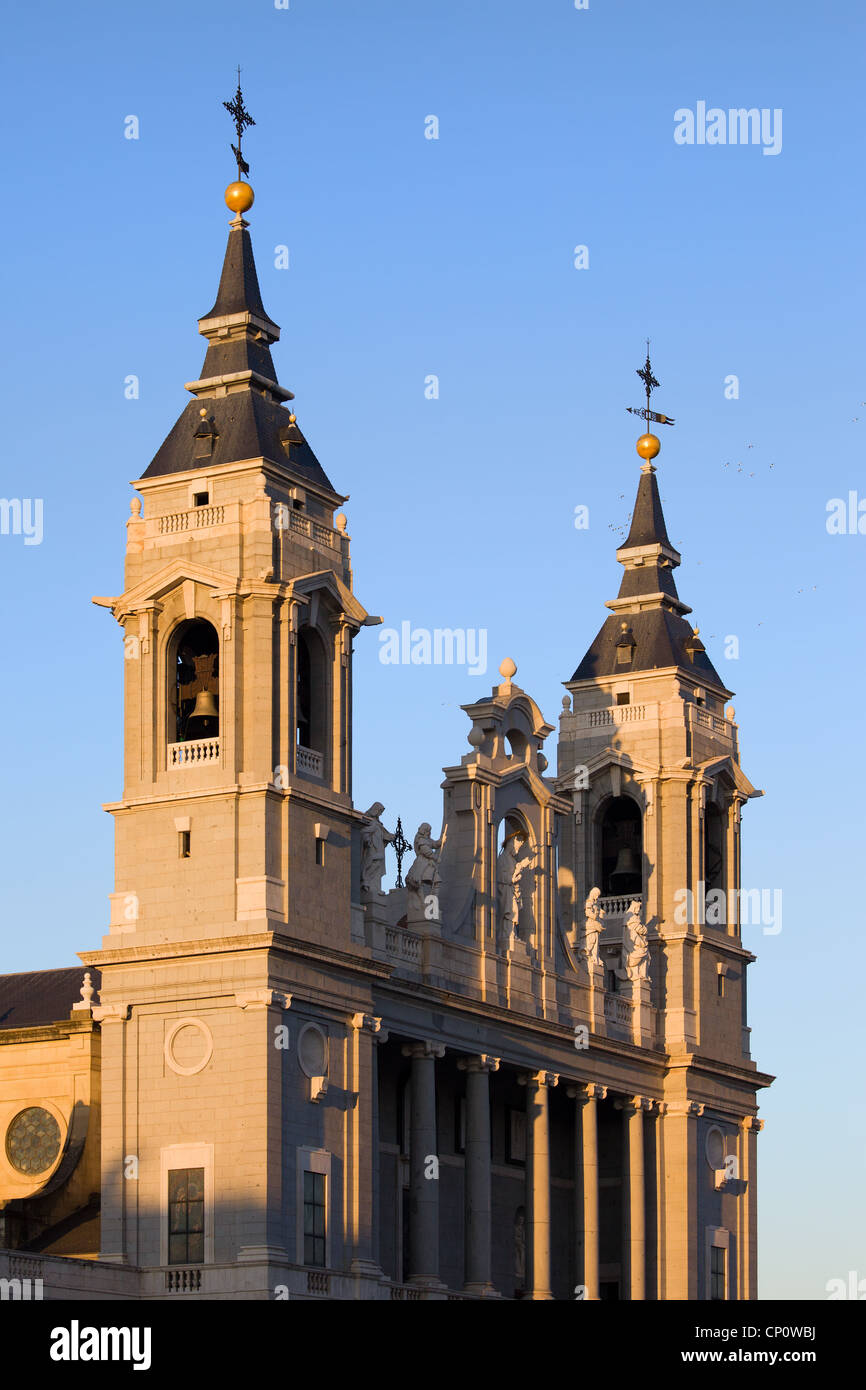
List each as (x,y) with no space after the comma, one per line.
(646,375)
(401,844)
(242,119)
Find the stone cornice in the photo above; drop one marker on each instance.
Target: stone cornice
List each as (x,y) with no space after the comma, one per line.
(224,945)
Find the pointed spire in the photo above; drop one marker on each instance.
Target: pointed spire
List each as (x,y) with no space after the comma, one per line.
(239,408)
(647,630)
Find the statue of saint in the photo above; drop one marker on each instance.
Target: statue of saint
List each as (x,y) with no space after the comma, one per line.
(508,897)
(593,926)
(635,950)
(422,880)
(374,838)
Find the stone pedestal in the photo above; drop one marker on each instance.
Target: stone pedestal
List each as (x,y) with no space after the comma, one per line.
(596,997)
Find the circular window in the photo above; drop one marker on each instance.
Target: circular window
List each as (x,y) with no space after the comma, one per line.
(188,1046)
(715,1147)
(33,1140)
(313,1051)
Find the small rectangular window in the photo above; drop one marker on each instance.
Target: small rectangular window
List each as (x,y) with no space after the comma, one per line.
(721,986)
(201,499)
(185,1216)
(623,698)
(718,1271)
(314,1219)
(183,843)
(320,851)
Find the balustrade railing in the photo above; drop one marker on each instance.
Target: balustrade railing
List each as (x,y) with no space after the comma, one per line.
(308,760)
(195,753)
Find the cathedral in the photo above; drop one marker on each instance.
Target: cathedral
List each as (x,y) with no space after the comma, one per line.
(522,1073)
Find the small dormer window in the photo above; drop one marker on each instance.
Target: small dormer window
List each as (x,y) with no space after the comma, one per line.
(625,645)
(205,436)
(694,646)
(200,499)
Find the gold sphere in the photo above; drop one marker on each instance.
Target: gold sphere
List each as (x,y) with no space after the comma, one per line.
(239,197)
(648,446)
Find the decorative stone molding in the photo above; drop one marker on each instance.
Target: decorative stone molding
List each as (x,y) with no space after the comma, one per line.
(192,1026)
(423,1049)
(482,1062)
(631,1104)
(583,1093)
(750,1123)
(112,1013)
(263,999)
(537,1079)
(692,1109)
(368,1021)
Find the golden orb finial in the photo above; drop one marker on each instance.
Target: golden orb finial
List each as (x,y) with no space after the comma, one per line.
(648,446)
(239,197)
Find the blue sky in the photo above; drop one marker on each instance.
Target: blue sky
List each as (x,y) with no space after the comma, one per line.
(454,257)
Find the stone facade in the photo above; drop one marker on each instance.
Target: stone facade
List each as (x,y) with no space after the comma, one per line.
(434,1094)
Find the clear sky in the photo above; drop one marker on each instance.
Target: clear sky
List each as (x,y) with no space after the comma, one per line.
(412,257)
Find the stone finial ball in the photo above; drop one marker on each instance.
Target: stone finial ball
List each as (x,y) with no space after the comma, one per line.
(239,197)
(507,668)
(135,506)
(566,702)
(648,446)
(341,522)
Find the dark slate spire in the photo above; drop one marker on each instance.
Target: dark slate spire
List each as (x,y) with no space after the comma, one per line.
(647,630)
(647,522)
(239,407)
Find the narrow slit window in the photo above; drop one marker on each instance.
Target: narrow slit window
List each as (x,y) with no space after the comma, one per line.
(320,851)
(183,840)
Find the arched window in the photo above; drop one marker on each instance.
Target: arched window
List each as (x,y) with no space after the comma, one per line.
(193,676)
(313,702)
(621,848)
(714,847)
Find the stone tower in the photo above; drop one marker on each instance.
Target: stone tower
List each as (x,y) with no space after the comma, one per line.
(234,829)
(651,756)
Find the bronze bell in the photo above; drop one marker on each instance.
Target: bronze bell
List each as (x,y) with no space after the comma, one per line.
(205,706)
(627,865)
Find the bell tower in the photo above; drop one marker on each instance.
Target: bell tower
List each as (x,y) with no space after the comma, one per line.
(238,617)
(234,829)
(650,752)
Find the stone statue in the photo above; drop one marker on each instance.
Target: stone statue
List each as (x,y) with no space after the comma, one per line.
(508,898)
(593,926)
(635,951)
(422,880)
(374,838)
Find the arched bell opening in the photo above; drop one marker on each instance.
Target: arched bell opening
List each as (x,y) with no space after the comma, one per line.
(714,848)
(193,676)
(312,703)
(621,848)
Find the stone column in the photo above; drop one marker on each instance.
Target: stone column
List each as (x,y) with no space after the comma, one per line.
(586,1182)
(476,1181)
(362,1148)
(682,1248)
(423,1165)
(119,1235)
(749,1200)
(538,1178)
(634,1211)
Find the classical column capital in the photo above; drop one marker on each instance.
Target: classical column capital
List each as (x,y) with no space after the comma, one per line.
(583,1094)
(262,999)
(751,1123)
(481,1062)
(423,1049)
(537,1079)
(111,1013)
(632,1104)
(692,1109)
(368,1021)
